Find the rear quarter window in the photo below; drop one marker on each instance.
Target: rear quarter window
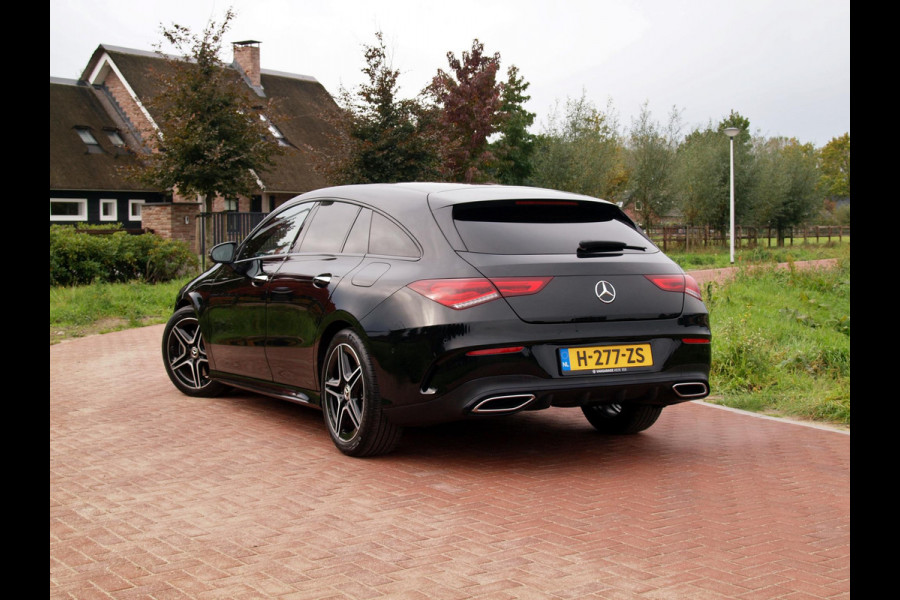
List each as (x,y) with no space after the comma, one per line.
(542,227)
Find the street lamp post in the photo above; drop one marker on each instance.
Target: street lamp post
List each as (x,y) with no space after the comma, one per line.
(731,132)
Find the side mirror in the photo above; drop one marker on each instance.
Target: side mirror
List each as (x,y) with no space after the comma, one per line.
(223,253)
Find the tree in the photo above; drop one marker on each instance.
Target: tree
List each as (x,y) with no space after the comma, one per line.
(650,158)
(701,164)
(581,151)
(382,139)
(514,150)
(785,192)
(834,164)
(213,138)
(468,105)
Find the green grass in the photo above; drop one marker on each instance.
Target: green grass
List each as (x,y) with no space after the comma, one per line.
(103,307)
(719,257)
(781,342)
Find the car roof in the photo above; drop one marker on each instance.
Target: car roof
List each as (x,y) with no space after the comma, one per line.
(439,195)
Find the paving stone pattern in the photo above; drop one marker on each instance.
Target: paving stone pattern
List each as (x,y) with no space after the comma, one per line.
(157,495)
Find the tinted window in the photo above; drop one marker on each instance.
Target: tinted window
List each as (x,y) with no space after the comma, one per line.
(358,240)
(277,235)
(387,238)
(329,228)
(541,227)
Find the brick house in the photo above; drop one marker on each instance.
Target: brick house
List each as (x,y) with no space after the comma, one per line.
(100,121)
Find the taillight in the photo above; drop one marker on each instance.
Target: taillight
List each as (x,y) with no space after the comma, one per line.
(520,286)
(460,294)
(676,283)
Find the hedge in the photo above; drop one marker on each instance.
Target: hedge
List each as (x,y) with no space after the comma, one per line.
(78,258)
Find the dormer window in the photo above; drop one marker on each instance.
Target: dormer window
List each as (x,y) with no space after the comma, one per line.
(115,138)
(276,133)
(89,140)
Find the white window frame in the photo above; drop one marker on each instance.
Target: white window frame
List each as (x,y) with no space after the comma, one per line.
(115,210)
(82,209)
(131,205)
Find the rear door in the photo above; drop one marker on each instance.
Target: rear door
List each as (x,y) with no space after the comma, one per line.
(300,291)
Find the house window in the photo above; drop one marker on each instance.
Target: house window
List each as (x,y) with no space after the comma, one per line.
(68,209)
(108,210)
(89,140)
(134,209)
(231,204)
(115,138)
(276,133)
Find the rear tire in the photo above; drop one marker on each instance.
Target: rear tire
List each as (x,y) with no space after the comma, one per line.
(351,403)
(621,418)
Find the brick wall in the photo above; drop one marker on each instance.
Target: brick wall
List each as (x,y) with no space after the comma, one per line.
(128,105)
(173,221)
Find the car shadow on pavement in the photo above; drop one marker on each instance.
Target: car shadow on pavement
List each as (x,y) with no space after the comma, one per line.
(556,437)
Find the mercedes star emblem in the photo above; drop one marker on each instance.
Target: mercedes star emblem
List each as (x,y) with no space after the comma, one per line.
(605,291)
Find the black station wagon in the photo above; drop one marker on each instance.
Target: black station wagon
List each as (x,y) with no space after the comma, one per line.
(393,305)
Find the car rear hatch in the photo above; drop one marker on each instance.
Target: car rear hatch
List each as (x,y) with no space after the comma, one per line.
(597,258)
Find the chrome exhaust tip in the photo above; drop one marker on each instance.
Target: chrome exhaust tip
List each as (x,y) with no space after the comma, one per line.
(501,405)
(692,389)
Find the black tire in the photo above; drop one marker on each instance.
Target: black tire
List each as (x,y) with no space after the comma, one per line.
(621,418)
(184,355)
(351,402)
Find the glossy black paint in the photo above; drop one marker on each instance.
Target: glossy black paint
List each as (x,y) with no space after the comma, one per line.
(268,316)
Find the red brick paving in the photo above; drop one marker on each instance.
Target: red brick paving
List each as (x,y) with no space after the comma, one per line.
(156,495)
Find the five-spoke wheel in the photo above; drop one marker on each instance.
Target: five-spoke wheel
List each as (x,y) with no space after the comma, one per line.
(351,401)
(184,355)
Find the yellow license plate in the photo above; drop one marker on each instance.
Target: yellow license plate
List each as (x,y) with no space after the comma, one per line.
(605,358)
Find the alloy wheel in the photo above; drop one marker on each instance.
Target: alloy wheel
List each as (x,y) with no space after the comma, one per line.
(345,392)
(186,354)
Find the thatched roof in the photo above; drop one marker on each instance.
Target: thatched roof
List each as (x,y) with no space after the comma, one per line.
(73,164)
(301,103)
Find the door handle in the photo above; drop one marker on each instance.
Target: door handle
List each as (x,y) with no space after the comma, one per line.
(322,280)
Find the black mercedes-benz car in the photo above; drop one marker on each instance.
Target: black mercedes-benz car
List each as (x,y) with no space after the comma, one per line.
(392,305)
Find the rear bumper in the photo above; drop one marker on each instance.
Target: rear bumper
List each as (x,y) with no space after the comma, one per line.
(426,375)
(503,395)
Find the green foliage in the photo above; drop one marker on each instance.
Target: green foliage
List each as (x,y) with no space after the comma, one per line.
(703,174)
(214,138)
(83,258)
(834,163)
(514,150)
(700,167)
(785,194)
(650,158)
(781,341)
(581,151)
(383,137)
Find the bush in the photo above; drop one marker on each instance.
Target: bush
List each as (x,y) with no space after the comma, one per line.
(82,258)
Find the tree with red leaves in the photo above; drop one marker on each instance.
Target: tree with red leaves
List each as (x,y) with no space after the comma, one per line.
(469,106)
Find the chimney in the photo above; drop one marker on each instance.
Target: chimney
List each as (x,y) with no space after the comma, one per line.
(246,55)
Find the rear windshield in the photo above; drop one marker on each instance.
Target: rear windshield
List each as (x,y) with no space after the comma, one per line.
(542,227)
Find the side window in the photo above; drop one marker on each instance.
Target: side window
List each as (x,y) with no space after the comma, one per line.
(358,240)
(329,227)
(387,238)
(278,234)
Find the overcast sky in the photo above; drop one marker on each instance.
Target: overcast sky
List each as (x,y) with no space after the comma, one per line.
(783,64)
